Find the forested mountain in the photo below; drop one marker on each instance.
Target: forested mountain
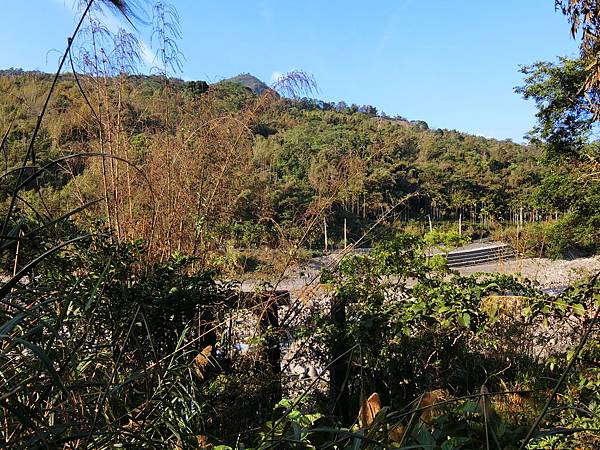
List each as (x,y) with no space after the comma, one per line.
(259,164)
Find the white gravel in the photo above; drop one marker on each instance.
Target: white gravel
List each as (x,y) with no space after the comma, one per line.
(549,273)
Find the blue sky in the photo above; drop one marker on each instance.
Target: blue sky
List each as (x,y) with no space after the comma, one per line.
(452,63)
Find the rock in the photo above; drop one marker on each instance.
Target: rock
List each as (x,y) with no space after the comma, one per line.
(312,372)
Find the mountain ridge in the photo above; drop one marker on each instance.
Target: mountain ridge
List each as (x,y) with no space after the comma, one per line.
(248,80)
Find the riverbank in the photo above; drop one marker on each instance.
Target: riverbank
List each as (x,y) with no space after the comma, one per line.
(552,275)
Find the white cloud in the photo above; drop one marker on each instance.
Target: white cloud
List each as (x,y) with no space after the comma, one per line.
(147,54)
(115,23)
(276,76)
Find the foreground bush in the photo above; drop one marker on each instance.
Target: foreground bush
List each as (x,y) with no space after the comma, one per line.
(96,352)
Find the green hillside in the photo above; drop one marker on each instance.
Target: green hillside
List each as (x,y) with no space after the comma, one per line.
(267,164)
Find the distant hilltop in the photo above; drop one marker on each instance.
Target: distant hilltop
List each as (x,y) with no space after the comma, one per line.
(250,81)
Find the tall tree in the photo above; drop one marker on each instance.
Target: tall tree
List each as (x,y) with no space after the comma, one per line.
(566,111)
(584,16)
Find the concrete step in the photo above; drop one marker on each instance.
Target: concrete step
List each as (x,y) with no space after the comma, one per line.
(480,256)
(496,254)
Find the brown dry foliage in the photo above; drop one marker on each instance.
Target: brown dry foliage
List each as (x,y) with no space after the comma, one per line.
(368,410)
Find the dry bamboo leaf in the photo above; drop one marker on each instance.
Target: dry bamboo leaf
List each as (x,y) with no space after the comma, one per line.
(368,410)
(203,442)
(428,402)
(201,360)
(396,433)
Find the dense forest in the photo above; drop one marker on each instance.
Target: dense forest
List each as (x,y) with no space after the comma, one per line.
(268,164)
(133,206)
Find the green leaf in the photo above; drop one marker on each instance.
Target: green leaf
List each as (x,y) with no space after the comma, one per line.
(465,320)
(579,309)
(423,437)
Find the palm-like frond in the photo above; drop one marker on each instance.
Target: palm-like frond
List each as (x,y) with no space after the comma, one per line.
(122,5)
(125,7)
